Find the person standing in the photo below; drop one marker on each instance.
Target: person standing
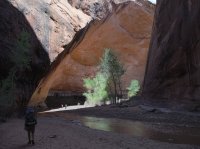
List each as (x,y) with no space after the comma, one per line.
(30,122)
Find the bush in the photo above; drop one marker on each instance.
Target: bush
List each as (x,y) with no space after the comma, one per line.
(133,88)
(96,89)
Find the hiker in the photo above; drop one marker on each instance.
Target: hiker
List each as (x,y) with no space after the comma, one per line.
(30,122)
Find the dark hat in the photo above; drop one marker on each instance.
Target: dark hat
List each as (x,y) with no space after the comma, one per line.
(29,110)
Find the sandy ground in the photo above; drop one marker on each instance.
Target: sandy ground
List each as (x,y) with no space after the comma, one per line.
(142,113)
(57,133)
(54,131)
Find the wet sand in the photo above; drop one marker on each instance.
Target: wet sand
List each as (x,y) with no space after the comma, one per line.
(55,132)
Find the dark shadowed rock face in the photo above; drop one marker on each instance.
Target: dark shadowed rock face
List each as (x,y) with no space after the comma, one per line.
(173,67)
(12,24)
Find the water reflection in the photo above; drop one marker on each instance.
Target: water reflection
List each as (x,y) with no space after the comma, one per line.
(182,135)
(178,135)
(97,124)
(115,125)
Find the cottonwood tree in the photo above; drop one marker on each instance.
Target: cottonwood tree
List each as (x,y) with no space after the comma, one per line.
(108,79)
(113,69)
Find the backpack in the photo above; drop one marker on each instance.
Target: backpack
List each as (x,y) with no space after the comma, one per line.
(30,119)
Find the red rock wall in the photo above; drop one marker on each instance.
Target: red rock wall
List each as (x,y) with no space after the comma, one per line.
(54,21)
(126,30)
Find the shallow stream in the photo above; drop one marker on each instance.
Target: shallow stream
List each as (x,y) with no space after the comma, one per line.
(160,132)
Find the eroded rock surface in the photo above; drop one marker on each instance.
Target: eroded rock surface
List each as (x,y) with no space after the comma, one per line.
(126,30)
(54,21)
(97,9)
(173,67)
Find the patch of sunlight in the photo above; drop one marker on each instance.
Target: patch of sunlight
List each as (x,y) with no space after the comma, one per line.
(153,1)
(67,108)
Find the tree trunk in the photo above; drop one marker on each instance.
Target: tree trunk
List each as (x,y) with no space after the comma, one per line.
(115,88)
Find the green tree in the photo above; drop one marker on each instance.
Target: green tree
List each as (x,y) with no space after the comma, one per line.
(96,89)
(134,88)
(107,79)
(111,67)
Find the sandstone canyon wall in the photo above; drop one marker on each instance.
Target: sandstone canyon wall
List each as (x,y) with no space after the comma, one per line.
(98,9)
(13,22)
(126,30)
(55,22)
(173,68)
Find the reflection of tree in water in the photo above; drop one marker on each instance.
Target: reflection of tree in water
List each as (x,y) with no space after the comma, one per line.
(116,125)
(97,123)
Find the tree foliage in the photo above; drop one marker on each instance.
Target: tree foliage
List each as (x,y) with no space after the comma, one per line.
(96,89)
(134,88)
(107,78)
(110,64)
(113,70)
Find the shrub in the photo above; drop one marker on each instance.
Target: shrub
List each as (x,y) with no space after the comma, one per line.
(133,88)
(96,89)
